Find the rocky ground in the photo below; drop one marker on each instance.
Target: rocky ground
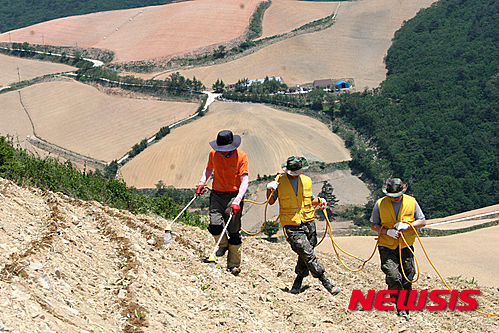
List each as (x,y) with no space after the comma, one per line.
(73,266)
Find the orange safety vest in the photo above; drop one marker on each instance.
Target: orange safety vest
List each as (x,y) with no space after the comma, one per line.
(388,220)
(295,209)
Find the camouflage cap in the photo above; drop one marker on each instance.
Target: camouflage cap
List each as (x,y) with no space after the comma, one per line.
(394,187)
(295,165)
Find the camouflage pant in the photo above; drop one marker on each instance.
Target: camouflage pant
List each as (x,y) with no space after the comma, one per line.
(303,239)
(390,265)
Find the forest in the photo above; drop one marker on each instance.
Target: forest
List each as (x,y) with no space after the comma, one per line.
(22,13)
(434,122)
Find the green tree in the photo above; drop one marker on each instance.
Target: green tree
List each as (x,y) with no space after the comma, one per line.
(218,86)
(270,229)
(327,193)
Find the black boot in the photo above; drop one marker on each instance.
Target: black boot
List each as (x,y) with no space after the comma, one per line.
(296,288)
(329,285)
(404,314)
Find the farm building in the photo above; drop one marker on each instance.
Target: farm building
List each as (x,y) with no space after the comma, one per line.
(326,83)
(340,84)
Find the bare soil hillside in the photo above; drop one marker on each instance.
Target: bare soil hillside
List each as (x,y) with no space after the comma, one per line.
(353,48)
(269,136)
(14,69)
(145,33)
(75,266)
(82,119)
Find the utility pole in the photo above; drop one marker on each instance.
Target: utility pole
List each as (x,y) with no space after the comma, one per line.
(18,75)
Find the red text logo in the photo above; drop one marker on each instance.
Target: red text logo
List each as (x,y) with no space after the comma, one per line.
(416,300)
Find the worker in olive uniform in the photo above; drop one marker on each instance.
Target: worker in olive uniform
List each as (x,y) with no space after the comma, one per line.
(296,208)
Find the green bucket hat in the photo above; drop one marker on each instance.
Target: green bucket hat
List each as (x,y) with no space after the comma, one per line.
(295,165)
(394,187)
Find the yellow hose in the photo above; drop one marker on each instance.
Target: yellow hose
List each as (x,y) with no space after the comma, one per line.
(334,244)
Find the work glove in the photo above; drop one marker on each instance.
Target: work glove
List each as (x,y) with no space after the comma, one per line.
(401,226)
(200,189)
(234,208)
(393,233)
(322,203)
(272,185)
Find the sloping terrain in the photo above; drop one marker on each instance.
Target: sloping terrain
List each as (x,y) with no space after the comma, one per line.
(82,119)
(14,69)
(285,15)
(75,266)
(145,33)
(269,137)
(353,48)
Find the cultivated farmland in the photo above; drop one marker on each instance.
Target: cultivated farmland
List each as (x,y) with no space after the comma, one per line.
(82,119)
(296,14)
(353,48)
(14,69)
(269,136)
(145,33)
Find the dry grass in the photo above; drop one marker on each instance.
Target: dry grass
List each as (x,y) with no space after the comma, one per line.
(80,118)
(145,33)
(269,136)
(28,69)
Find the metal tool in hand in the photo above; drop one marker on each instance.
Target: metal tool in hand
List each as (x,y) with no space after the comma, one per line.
(168,231)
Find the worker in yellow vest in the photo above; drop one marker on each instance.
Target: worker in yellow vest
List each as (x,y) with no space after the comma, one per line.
(391,214)
(296,209)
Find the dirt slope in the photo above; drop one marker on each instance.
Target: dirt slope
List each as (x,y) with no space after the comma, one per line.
(75,266)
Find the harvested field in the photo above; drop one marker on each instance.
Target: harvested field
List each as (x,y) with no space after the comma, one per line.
(269,136)
(145,33)
(353,47)
(285,15)
(80,118)
(28,69)
(14,120)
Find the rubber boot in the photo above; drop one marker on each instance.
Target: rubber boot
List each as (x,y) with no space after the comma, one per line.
(296,288)
(329,285)
(234,259)
(223,246)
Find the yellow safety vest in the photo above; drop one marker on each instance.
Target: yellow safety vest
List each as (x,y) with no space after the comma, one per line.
(295,209)
(388,220)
